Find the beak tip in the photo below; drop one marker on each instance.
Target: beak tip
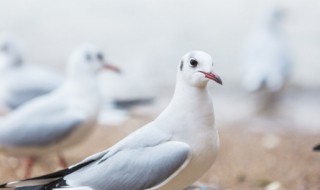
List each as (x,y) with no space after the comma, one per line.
(113,68)
(218,80)
(213,77)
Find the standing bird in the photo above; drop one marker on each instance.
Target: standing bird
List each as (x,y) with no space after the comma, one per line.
(60,119)
(169,153)
(20,81)
(266,61)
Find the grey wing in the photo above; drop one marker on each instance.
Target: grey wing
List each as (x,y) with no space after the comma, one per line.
(20,96)
(133,169)
(39,128)
(24,85)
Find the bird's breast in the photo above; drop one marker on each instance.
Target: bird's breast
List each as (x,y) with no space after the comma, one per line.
(203,155)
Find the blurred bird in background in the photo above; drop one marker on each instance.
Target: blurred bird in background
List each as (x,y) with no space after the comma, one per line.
(267,62)
(60,119)
(317,148)
(115,112)
(175,149)
(21,81)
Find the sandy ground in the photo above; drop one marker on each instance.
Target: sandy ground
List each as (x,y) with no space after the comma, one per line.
(249,158)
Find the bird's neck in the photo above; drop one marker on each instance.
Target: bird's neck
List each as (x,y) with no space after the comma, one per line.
(84,93)
(190,105)
(190,97)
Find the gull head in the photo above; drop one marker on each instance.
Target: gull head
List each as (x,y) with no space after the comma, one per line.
(89,60)
(274,16)
(196,68)
(10,54)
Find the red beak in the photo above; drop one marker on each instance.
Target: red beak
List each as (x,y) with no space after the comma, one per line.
(212,76)
(112,68)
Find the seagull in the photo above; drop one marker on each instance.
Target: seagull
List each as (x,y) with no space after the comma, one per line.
(317,148)
(20,81)
(266,59)
(60,119)
(169,153)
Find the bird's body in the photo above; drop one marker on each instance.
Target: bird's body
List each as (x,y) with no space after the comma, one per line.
(21,82)
(60,119)
(266,59)
(170,127)
(204,145)
(50,123)
(267,62)
(169,153)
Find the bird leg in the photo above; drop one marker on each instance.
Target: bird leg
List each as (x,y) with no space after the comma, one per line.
(28,168)
(62,161)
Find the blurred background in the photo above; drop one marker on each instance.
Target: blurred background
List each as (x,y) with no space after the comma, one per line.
(147,39)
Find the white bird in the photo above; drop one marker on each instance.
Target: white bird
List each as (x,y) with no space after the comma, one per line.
(266,58)
(60,119)
(169,153)
(21,81)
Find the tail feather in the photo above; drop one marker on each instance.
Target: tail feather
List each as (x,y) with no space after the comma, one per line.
(29,188)
(28,183)
(48,181)
(57,184)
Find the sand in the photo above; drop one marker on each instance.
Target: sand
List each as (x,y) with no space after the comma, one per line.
(249,158)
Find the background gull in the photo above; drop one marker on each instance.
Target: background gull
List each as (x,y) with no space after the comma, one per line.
(267,61)
(19,80)
(171,152)
(317,148)
(116,112)
(60,119)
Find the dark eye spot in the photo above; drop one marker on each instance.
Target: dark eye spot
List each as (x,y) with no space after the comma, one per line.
(181,65)
(100,56)
(88,57)
(193,63)
(5,48)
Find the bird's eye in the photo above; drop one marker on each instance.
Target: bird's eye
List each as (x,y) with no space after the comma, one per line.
(193,63)
(4,48)
(88,57)
(100,56)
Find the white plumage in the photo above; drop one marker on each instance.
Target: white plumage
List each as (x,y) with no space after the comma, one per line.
(266,60)
(169,153)
(60,119)
(21,81)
